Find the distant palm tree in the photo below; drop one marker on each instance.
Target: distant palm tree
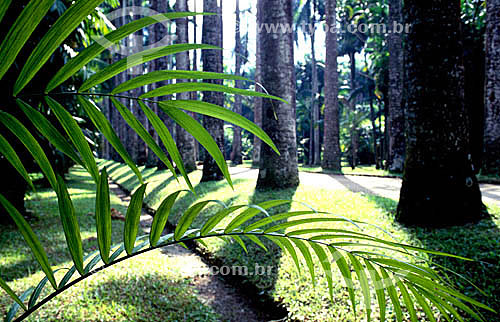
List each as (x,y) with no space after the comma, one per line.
(331,136)
(212,62)
(184,140)
(236,156)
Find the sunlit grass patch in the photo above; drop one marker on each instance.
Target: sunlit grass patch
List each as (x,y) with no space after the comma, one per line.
(150,287)
(292,288)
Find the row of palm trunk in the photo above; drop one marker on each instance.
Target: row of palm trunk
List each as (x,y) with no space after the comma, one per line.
(430,129)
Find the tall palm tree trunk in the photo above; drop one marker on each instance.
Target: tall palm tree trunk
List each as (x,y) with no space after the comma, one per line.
(316,156)
(331,157)
(194,95)
(236,156)
(491,158)
(212,62)
(185,141)
(278,118)
(439,185)
(396,111)
(257,109)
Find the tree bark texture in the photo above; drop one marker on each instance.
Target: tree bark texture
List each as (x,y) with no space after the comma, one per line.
(354,122)
(316,156)
(185,142)
(397,144)
(278,118)
(212,62)
(439,185)
(491,160)
(236,156)
(257,101)
(331,141)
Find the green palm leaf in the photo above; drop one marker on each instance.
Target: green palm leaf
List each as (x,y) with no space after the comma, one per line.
(11,293)
(110,39)
(4,5)
(163,75)
(279,217)
(407,300)
(363,281)
(61,29)
(287,247)
(307,256)
(31,145)
(202,136)
(104,127)
(253,211)
(143,134)
(189,215)
(325,263)
(10,154)
(219,113)
(76,136)
(14,308)
(393,295)
(423,303)
(379,288)
(31,239)
(103,216)
(70,225)
(132,218)
(161,217)
(214,220)
(137,59)
(49,131)
(346,274)
(167,139)
(199,87)
(20,32)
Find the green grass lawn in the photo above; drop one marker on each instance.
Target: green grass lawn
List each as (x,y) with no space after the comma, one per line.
(360,170)
(293,289)
(146,288)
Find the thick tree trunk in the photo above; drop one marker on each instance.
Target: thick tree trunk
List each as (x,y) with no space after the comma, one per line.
(212,62)
(439,184)
(396,111)
(257,110)
(491,163)
(278,118)
(236,156)
(185,141)
(331,156)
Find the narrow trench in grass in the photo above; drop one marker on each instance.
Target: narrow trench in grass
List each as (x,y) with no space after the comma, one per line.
(224,293)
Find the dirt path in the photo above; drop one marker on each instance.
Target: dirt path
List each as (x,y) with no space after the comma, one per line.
(384,187)
(211,290)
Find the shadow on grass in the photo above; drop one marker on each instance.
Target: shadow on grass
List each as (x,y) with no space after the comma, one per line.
(148,296)
(16,259)
(262,265)
(480,242)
